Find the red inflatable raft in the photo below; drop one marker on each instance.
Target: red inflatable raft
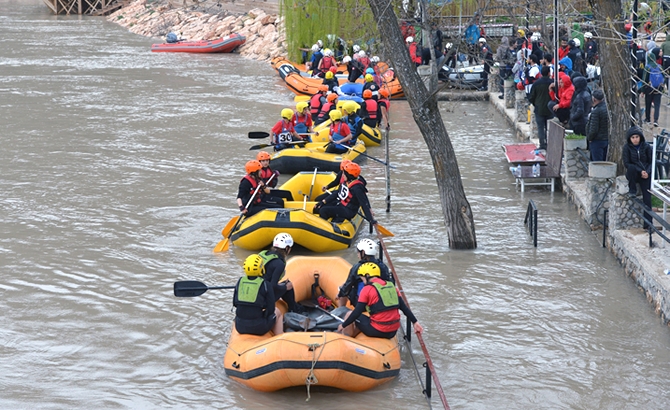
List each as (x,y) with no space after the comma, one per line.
(221,45)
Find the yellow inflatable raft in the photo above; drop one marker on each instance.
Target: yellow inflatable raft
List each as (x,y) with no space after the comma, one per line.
(371,137)
(313,155)
(296,218)
(325,358)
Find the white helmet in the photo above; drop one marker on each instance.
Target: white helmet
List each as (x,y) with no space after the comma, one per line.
(346,59)
(588,35)
(482,40)
(577,42)
(367,246)
(327,52)
(409,39)
(374,59)
(315,48)
(319,43)
(361,53)
(448,46)
(283,241)
(357,48)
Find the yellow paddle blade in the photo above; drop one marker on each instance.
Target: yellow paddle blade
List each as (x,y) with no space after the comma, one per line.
(301,98)
(222,246)
(383,231)
(229,226)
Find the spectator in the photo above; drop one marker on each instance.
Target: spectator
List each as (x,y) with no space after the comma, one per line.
(597,128)
(548,60)
(564,49)
(539,97)
(561,105)
(653,83)
(637,157)
(505,57)
(532,72)
(580,106)
(576,56)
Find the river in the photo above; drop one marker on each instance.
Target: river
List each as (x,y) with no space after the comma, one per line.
(118,169)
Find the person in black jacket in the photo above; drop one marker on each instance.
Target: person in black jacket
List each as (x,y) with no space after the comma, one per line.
(580,106)
(367,252)
(598,128)
(350,196)
(637,157)
(254,299)
(539,97)
(274,263)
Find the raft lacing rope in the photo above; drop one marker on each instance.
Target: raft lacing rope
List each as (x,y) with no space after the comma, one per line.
(311,377)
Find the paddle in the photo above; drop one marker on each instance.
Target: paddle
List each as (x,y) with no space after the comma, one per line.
(366,155)
(224,244)
(258,134)
(380,228)
(259,146)
(191,288)
(312,304)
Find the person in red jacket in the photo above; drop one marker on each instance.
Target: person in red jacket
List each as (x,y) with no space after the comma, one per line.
(250,190)
(302,121)
(561,105)
(564,49)
(266,172)
(317,101)
(369,109)
(283,132)
(414,53)
(382,301)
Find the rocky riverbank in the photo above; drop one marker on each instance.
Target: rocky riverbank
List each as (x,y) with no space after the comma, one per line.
(205,21)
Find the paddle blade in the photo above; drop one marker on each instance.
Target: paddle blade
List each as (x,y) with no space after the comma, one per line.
(384,231)
(222,246)
(229,226)
(258,134)
(259,146)
(189,288)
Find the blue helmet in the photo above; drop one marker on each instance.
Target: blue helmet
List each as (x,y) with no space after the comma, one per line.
(369,71)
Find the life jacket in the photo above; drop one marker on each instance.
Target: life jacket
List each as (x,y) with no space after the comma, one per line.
(267,257)
(315,105)
(266,173)
(326,63)
(388,299)
(285,135)
(365,62)
(344,195)
(325,111)
(254,185)
(370,107)
(335,129)
(413,54)
(248,290)
(300,123)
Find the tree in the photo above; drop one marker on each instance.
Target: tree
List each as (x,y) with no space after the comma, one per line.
(616,74)
(455,206)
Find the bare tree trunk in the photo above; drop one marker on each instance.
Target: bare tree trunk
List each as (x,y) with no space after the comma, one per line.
(455,206)
(616,74)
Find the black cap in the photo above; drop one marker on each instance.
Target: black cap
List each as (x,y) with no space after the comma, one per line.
(598,95)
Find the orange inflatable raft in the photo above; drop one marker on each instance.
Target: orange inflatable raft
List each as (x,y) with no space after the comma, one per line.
(324,358)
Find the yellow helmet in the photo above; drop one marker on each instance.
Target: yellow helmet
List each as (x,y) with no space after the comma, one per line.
(329,75)
(335,115)
(287,113)
(253,265)
(350,107)
(522,32)
(301,106)
(370,269)
(369,78)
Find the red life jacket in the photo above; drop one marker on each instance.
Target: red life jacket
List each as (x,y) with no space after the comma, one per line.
(365,61)
(315,104)
(371,108)
(345,191)
(254,185)
(325,110)
(412,53)
(326,63)
(266,173)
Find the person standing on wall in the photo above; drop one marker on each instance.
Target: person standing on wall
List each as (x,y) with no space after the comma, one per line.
(598,128)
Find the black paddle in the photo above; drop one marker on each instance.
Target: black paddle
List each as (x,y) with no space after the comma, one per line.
(259,146)
(258,134)
(192,288)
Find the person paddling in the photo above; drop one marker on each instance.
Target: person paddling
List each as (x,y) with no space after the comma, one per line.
(350,196)
(367,252)
(283,131)
(252,185)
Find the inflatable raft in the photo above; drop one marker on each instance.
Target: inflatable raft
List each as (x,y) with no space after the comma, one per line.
(313,155)
(222,45)
(303,83)
(296,218)
(371,137)
(318,357)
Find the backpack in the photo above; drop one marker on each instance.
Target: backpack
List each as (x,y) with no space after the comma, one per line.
(655,77)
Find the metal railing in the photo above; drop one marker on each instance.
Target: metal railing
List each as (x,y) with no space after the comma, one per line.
(649,216)
(531,221)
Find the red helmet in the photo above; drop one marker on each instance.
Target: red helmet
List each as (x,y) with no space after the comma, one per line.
(352,169)
(252,166)
(262,156)
(333,70)
(344,163)
(367,94)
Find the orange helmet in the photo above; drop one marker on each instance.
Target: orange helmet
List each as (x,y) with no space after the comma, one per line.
(367,94)
(252,166)
(384,93)
(262,156)
(344,163)
(352,169)
(331,97)
(323,88)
